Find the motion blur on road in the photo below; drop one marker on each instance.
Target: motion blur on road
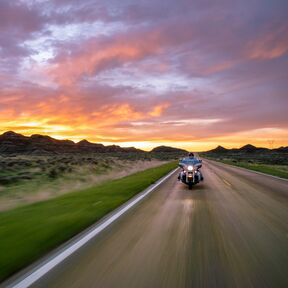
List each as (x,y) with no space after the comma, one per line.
(229,231)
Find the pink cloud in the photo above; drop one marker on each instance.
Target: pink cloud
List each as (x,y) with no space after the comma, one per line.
(97,56)
(271,45)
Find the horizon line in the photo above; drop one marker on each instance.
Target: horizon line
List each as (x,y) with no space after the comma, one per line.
(115,143)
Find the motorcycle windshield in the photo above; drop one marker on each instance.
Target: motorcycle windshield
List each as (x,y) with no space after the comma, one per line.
(187,162)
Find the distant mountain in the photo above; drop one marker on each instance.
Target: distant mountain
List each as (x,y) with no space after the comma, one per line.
(167,149)
(246,149)
(250,149)
(90,147)
(281,149)
(14,143)
(219,149)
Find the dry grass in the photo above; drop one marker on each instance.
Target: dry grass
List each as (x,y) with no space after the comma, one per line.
(32,179)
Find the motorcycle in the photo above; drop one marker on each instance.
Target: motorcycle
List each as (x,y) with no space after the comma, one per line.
(190,174)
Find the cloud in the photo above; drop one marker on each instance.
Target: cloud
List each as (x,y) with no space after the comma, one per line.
(270,45)
(97,55)
(126,72)
(17,23)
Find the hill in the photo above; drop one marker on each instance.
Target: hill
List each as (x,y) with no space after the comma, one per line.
(218,149)
(14,143)
(248,148)
(250,153)
(167,149)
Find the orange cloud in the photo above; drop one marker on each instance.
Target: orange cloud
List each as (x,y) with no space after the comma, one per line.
(114,113)
(61,119)
(111,114)
(158,110)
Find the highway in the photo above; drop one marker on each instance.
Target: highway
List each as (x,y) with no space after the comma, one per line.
(229,231)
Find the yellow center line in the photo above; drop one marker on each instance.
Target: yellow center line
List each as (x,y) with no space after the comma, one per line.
(227,183)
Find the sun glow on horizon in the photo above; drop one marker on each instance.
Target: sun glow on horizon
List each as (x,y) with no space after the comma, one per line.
(230,141)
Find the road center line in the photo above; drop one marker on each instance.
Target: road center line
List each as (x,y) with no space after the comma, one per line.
(227,183)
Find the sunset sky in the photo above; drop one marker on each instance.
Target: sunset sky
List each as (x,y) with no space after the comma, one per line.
(191,74)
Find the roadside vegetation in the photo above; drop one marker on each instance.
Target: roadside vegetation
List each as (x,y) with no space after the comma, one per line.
(275,170)
(276,166)
(31,231)
(26,179)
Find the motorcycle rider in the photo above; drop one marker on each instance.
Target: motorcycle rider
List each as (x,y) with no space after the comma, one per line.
(190,157)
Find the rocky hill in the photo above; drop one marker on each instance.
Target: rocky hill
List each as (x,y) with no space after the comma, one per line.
(250,153)
(218,149)
(252,149)
(282,149)
(167,149)
(245,149)
(14,143)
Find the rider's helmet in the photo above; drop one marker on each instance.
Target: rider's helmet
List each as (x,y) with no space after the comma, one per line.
(191,155)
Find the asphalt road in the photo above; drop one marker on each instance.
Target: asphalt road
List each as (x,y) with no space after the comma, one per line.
(230,231)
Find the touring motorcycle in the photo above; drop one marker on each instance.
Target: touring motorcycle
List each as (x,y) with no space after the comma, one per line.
(190,174)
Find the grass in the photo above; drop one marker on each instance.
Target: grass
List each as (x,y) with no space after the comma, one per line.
(29,232)
(275,170)
(27,179)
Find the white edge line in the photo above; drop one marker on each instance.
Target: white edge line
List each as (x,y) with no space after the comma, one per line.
(28,280)
(249,170)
